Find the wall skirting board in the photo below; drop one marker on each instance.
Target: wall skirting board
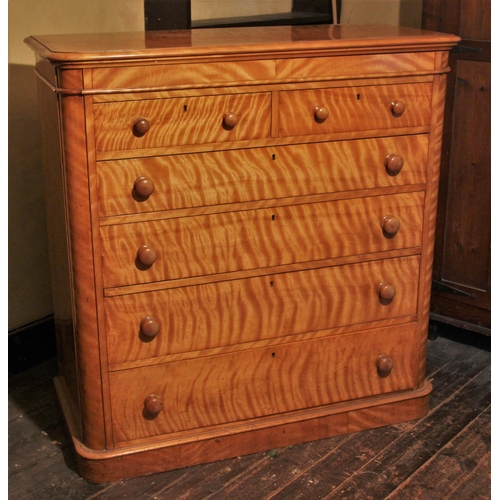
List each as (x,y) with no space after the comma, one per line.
(31,344)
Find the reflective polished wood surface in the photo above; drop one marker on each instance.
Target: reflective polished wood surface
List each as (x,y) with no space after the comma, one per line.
(216,41)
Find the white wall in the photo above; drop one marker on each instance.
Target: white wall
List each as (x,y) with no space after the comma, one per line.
(208,9)
(394,12)
(29,293)
(36,17)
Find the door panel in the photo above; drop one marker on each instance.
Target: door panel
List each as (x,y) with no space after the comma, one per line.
(461,275)
(468,220)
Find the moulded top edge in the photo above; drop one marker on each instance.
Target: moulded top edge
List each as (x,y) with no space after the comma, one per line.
(207,42)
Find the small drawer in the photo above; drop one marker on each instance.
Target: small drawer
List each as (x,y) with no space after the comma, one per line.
(157,123)
(355,65)
(210,244)
(182,75)
(154,324)
(182,181)
(354,109)
(215,390)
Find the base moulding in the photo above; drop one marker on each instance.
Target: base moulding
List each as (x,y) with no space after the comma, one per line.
(242,438)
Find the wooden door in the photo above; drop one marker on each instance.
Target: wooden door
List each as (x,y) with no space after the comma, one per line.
(461,293)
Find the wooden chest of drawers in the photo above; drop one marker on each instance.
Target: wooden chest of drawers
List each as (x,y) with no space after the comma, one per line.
(241,229)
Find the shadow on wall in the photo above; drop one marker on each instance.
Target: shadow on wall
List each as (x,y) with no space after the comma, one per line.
(395,12)
(29,279)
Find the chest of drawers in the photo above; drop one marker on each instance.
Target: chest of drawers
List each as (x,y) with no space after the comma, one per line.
(241,229)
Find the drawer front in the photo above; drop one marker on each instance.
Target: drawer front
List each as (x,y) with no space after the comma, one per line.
(181,121)
(229,73)
(218,243)
(193,180)
(254,383)
(355,65)
(353,109)
(240,311)
(182,75)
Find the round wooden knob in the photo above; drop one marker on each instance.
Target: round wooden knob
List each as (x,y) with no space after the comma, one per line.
(384,364)
(386,291)
(153,404)
(230,120)
(394,163)
(390,225)
(144,187)
(321,113)
(150,326)
(141,126)
(398,108)
(146,256)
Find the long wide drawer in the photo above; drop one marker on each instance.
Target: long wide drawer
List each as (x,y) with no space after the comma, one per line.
(240,311)
(210,244)
(169,182)
(349,109)
(196,393)
(179,121)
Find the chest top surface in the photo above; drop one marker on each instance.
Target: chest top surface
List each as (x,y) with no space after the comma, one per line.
(226,42)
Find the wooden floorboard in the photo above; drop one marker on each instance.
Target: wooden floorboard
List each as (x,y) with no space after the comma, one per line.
(449,472)
(445,455)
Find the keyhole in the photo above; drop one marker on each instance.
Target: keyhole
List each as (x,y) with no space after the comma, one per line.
(273,217)
(185,107)
(358,97)
(273,354)
(273,157)
(271,283)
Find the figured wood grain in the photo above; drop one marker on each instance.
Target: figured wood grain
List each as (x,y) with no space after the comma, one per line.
(354,108)
(82,267)
(258,204)
(277,85)
(258,143)
(62,297)
(430,208)
(246,380)
(218,178)
(218,243)
(253,273)
(209,391)
(181,121)
(183,75)
(257,344)
(94,214)
(258,71)
(379,64)
(241,311)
